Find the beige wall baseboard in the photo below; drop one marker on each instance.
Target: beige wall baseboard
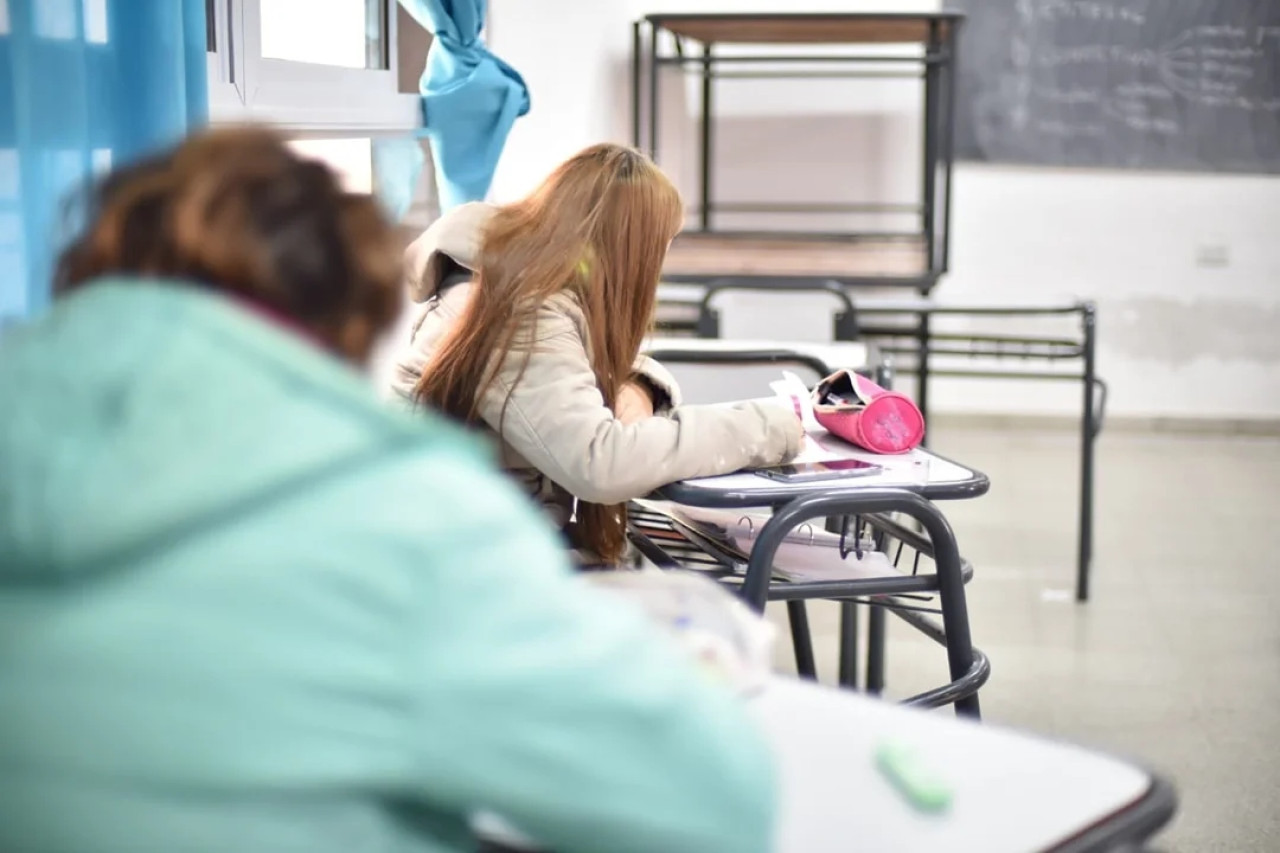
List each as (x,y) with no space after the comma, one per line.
(1120,423)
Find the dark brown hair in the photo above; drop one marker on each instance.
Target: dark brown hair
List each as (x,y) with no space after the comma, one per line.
(598,227)
(237,210)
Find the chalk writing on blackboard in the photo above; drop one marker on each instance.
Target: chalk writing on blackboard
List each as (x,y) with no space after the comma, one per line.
(1130,83)
(1087,10)
(1214,65)
(1211,65)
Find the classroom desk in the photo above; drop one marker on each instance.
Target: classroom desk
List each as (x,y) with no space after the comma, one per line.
(908,485)
(921,471)
(1011,792)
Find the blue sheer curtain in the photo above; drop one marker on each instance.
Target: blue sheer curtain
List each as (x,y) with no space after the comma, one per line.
(84,85)
(470,98)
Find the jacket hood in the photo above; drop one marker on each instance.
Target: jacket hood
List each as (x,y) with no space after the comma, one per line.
(137,412)
(458,236)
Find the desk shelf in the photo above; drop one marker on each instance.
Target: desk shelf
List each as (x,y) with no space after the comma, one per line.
(909,596)
(807,27)
(698,257)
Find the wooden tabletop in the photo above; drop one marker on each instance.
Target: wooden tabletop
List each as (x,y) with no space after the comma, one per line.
(809,28)
(728,254)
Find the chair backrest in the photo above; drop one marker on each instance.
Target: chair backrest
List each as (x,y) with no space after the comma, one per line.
(724,383)
(810,312)
(739,371)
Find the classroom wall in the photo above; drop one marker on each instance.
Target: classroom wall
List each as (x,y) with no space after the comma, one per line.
(1185,268)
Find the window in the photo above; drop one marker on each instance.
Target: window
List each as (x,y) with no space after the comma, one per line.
(312,65)
(347,33)
(351,157)
(226,83)
(95,22)
(335,74)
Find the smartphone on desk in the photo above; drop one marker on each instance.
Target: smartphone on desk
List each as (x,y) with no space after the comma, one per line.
(832,469)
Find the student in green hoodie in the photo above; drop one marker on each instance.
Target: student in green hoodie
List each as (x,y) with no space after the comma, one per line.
(244,607)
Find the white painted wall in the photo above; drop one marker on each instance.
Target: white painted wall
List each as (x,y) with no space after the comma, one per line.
(1177,338)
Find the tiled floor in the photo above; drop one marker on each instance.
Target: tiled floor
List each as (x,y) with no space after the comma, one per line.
(1176,659)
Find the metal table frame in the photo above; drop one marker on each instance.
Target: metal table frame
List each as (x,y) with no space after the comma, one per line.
(936,32)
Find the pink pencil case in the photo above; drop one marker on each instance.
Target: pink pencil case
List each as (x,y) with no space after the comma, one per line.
(862,413)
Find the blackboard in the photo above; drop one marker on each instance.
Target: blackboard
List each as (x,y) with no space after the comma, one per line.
(1190,85)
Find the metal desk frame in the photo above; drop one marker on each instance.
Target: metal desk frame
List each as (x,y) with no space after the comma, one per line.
(877,594)
(936,32)
(794,507)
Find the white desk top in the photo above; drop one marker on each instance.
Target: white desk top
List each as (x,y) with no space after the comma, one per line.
(919,471)
(1011,792)
(917,468)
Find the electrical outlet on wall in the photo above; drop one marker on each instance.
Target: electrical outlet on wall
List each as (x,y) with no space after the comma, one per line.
(1213,254)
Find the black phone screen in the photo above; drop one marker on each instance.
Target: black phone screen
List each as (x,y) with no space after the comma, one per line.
(828,470)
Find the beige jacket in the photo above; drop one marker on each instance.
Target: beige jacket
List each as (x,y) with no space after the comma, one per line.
(559,438)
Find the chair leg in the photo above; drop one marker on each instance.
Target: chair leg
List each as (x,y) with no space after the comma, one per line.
(802,640)
(875,650)
(848,645)
(955,621)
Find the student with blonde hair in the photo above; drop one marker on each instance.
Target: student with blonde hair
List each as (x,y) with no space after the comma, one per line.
(532,321)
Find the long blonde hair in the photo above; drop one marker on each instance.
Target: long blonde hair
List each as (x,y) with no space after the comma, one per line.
(597,227)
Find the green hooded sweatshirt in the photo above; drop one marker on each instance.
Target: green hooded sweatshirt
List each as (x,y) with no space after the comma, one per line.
(244,607)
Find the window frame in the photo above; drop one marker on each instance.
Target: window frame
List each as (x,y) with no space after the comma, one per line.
(301,96)
(226,80)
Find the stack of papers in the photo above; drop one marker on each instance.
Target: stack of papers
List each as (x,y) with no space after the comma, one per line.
(807,554)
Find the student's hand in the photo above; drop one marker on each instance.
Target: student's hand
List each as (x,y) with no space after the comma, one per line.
(634,402)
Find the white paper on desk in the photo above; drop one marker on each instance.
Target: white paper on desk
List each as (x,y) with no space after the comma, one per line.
(790,387)
(806,553)
(738,529)
(819,445)
(805,563)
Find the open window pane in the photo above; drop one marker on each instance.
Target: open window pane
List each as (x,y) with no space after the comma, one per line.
(351,158)
(343,33)
(95,22)
(317,66)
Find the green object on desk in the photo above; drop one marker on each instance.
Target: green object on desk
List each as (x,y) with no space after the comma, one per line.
(912,778)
